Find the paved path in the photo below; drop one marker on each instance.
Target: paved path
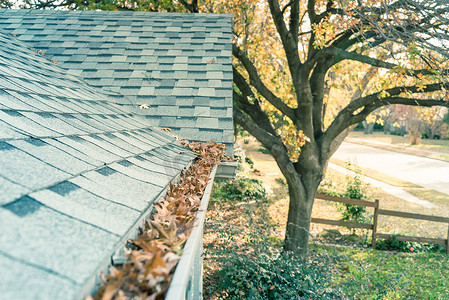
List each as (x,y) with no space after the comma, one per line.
(393,190)
(427,172)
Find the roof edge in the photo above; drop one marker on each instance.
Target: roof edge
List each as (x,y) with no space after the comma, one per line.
(87,12)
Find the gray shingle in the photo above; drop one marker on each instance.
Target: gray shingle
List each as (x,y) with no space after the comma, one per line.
(8,101)
(64,245)
(188,122)
(119,188)
(27,170)
(74,152)
(10,191)
(202,111)
(121,143)
(77,123)
(132,141)
(51,155)
(9,132)
(85,206)
(50,121)
(24,124)
(207,92)
(91,149)
(146,90)
(107,145)
(35,278)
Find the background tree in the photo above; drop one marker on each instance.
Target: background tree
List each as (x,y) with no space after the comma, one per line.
(422,122)
(288,55)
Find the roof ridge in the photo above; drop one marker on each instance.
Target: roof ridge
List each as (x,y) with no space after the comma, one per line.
(110,12)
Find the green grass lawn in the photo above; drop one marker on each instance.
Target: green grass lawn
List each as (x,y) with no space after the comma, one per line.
(374,274)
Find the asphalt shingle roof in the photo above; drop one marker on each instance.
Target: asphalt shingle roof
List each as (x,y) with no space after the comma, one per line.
(178,64)
(77,172)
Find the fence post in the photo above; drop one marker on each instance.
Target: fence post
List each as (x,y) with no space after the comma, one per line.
(376,215)
(447,241)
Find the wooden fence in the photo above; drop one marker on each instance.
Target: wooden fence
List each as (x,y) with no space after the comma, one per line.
(377,212)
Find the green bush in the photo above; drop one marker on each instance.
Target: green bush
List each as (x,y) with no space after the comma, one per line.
(271,276)
(239,189)
(263,150)
(355,189)
(252,265)
(394,245)
(249,161)
(245,163)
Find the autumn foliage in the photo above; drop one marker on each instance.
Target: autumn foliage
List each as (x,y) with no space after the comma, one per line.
(152,257)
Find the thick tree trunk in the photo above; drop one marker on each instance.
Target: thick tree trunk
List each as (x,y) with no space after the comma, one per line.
(302,190)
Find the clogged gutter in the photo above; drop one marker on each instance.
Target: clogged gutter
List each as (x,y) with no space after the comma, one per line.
(153,255)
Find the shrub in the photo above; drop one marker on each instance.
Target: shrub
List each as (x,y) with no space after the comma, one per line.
(264,150)
(275,276)
(355,189)
(249,161)
(245,163)
(402,246)
(240,189)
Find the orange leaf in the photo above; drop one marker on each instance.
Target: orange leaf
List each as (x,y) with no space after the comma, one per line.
(110,290)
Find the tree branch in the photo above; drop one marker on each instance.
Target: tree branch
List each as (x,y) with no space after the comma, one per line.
(288,41)
(359,117)
(361,102)
(369,103)
(342,55)
(272,143)
(252,109)
(249,125)
(278,19)
(317,86)
(333,11)
(311,10)
(192,7)
(294,21)
(287,6)
(255,81)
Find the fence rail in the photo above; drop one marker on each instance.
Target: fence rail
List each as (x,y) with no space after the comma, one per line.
(377,212)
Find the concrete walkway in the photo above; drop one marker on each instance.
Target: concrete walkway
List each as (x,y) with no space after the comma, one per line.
(398,148)
(393,190)
(427,172)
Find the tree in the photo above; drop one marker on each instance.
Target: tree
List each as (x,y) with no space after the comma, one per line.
(333,33)
(283,76)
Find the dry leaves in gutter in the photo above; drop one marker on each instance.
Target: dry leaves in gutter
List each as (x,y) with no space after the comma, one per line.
(152,257)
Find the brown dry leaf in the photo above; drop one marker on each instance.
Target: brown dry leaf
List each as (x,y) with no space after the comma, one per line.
(147,236)
(110,290)
(121,296)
